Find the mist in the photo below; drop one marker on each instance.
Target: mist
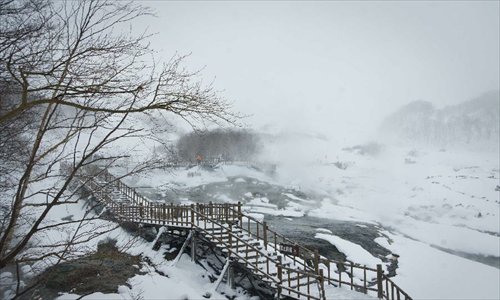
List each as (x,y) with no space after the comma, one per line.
(334,68)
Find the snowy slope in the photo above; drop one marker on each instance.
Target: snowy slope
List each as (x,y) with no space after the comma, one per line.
(434,204)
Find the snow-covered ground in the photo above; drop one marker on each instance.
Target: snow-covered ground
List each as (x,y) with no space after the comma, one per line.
(438,208)
(184,280)
(434,204)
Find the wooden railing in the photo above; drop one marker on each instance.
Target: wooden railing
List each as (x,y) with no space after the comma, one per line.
(300,279)
(204,223)
(364,282)
(368,279)
(308,264)
(392,290)
(272,265)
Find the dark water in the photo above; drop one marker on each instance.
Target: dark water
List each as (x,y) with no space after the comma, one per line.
(234,189)
(302,229)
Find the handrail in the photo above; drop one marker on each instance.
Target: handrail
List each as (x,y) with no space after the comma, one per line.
(283,238)
(307,254)
(393,287)
(280,235)
(232,235)
(255,267)
(308,275)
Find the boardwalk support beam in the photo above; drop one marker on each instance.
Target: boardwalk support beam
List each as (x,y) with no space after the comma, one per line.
(193,246)
(280,276)
(264,233)
(380,288)
(316,260)
(188,239)
(240,215)
(230,274)
(221,276)
(322,284)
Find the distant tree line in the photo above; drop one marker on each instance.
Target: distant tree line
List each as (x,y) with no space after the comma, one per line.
(475,122)
(219,144)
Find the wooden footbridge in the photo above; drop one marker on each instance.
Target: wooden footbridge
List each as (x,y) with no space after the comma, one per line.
(287,268)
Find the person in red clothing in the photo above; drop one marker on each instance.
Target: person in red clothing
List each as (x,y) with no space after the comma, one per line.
(199,158)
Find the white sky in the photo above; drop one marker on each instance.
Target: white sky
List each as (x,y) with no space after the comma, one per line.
(323,66)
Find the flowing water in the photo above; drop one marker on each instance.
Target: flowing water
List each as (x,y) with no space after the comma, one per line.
(300,229)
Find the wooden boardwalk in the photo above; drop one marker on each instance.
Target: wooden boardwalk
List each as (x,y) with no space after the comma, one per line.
(288,268)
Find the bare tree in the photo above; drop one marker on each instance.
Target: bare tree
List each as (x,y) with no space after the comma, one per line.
(80,79)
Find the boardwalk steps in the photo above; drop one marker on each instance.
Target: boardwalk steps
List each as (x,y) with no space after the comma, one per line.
(287,267)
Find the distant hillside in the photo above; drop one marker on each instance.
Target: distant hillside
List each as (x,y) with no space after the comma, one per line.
(474,123)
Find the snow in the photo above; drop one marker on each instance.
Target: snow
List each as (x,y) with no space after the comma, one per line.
(344,293)
(274,211)
(445,200)
(442,201)
(183,280)
(330,210)
(293,197)
(426,272)
(354,252)
(257,216)
(93,296)
(261,205)
(261,202)
(323,230)
(452,237)
(240,180)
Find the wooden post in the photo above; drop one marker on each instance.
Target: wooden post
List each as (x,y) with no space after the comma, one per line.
(240,215)
(230,274)
(230,239)
(340,273)
(140,210)
(322,283)
(380,289)
(193,246)
(164,215)
(264,235)
(316,261)
(192,215)
(365,290)
(352,277)
(280,276)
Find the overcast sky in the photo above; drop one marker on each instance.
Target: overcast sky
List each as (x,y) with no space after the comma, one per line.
(320,66)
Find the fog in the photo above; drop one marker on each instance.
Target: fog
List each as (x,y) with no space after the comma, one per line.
(333,68)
